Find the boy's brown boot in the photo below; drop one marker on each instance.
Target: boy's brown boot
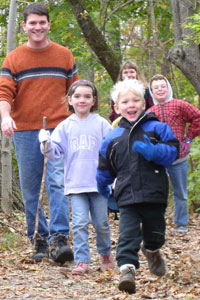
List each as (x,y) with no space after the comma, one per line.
(127,279)
(155,261)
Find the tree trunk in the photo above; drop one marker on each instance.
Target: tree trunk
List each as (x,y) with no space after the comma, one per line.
(95,39)
(6,156)
(6,178)
(185,53)
(154,35)
(11,26)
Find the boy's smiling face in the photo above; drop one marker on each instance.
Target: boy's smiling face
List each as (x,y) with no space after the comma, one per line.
(129,105)
(160,90)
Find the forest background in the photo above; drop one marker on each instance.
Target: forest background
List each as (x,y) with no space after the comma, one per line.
(160,36)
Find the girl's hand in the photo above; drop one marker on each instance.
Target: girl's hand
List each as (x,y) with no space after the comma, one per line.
(44,136)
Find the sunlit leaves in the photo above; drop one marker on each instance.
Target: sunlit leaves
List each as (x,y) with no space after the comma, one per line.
(194,25)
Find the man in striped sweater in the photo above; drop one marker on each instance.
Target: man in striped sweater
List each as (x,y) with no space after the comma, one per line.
(34,79)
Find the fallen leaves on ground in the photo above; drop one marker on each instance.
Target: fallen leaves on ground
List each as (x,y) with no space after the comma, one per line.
(21,278)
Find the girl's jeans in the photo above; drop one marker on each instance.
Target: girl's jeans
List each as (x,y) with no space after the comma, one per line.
(97,205)
(30,164)
(178,174)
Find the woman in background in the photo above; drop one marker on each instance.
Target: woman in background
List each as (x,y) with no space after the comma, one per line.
(130,70)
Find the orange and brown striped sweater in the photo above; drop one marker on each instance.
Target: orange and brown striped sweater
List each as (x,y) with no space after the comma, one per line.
(34,82)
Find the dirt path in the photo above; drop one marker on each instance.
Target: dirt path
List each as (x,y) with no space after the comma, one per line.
(20,278)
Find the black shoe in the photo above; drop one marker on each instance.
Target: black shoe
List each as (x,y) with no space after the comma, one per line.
(41,249)
(155,261)
(59,249)
(127,280)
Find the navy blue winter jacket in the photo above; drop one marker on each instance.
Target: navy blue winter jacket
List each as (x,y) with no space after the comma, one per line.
(138,180)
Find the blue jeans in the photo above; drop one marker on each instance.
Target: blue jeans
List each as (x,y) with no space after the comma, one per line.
(97,205)
(30,164)
(178,174)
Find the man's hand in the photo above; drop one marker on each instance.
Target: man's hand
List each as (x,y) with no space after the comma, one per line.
(7,126)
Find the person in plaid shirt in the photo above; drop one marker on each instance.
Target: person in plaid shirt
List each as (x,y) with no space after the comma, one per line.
(178,114)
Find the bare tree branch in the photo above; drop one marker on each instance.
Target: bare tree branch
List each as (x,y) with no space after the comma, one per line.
(113,12)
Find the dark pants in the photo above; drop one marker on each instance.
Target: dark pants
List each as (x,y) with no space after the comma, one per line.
(140,222)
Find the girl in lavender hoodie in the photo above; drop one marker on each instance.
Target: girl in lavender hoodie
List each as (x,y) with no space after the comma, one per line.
(79,138)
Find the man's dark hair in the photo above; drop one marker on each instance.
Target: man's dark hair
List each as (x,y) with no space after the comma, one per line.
(36,9)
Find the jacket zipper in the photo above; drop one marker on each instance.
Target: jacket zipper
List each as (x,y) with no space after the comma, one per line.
(133,128)
(129,147)
(163,113)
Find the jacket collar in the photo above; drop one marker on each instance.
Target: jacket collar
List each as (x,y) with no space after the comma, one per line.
(142,118)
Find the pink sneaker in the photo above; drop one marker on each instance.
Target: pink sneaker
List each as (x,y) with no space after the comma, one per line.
(80,269)
(107,262)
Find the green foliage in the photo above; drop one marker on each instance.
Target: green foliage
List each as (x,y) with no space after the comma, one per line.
(62,25)
(163,15)
(127,30)
(103,86)
(194,176)
(14,161)
(182,87)
(9,240)
(194,25)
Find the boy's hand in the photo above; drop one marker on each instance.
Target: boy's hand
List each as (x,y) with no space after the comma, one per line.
(185,145)
(147,149)
(44,135)
(104,190)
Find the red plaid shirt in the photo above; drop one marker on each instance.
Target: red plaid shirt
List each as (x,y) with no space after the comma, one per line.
(177,113)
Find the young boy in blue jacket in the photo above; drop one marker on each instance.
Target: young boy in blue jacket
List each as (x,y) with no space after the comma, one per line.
(136,153)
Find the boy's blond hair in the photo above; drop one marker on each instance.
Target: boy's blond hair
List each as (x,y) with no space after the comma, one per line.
(132,85)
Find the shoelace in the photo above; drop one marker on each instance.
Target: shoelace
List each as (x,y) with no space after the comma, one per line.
(130,270)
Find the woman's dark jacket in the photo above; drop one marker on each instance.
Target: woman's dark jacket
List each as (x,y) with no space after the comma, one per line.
(138,180)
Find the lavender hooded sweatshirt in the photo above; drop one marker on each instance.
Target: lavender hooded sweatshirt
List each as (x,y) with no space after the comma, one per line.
(79,140)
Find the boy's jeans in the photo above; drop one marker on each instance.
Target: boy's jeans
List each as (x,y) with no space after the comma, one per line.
(141,222)
(98,206)
(30,163)
(178,174)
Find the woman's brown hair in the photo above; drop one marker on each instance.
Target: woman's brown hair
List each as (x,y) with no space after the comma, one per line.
(129,64)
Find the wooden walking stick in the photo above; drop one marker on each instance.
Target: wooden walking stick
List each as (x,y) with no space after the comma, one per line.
(36,234)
